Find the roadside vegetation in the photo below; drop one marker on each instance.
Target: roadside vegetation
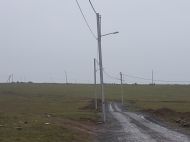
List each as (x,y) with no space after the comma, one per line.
(168,102)
(66,112)
(46,112)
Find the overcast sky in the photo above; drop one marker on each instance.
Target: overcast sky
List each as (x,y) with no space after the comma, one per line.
(40,39)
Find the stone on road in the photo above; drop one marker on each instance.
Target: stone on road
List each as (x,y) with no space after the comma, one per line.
(124,126)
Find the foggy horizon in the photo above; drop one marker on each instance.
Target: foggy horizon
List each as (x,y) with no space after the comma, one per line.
(40,40)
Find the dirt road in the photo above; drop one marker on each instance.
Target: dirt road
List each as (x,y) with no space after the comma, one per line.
(126,126)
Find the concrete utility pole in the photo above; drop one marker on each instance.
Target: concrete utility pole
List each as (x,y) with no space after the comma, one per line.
(95,94)
(152,77)
(100,57)
(66,76)
(121,88)
(100,64)
(100,61)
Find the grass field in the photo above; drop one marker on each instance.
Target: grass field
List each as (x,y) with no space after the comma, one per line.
(30,106)
(175,97)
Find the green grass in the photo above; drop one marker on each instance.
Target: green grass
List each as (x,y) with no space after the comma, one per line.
(33,103)
(176,97)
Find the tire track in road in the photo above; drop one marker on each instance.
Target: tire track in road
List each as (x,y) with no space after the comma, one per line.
(132,133)
(137,129)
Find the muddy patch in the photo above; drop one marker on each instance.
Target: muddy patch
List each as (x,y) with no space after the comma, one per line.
(181,118)
(124,125)
(91,105)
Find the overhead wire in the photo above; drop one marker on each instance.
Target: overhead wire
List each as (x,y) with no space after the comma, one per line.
(111,76)
(100,25)
(136,77)
(86,20)
(92,6)
(170,81)
(151,79)
(95,13)
(137,82)
(97,61)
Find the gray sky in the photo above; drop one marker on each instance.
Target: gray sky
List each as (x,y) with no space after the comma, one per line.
(40,39)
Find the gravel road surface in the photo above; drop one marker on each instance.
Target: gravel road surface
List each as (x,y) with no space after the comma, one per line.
(126,126)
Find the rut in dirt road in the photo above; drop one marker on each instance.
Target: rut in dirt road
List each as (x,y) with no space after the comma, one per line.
(124,126)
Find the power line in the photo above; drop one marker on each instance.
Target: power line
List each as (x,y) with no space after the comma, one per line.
(111,76)
(136,77)
(92,6)
(170,81)
(154,80)
(138,82)
(97,61)
(85,20)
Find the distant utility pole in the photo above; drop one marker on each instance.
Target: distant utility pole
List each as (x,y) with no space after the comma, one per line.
(12,77)
(152,77)
(51,79)
(66,76)
(95,84)
(121,88)
(8,80)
